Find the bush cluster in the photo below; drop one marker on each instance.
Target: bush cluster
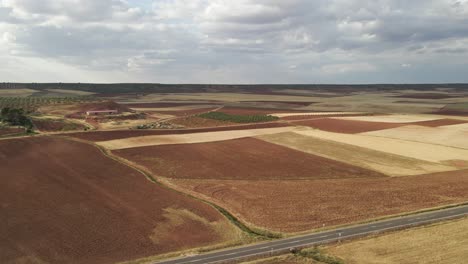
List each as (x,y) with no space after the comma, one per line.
(16,117)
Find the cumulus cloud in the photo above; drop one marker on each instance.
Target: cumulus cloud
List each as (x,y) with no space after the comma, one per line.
(239,41)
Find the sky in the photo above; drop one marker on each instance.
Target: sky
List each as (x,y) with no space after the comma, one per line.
(238,42)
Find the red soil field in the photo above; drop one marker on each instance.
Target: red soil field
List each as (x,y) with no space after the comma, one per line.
(120,134)
(294,206)
(346,126)
(440,122)
(356,126)
(5,131)
(239,159)
(71,204)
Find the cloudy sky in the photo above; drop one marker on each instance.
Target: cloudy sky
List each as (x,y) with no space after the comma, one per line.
(241,41)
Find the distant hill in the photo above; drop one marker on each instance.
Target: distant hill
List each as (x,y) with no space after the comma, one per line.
(120,88)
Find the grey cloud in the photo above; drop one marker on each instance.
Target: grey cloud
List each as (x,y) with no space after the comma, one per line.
(228,37)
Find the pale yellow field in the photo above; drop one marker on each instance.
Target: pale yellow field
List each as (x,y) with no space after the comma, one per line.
(189,138)
(389,164)
(16,92)
(391,118)
(416,150)
(446,136)
(71,92)
(445,243)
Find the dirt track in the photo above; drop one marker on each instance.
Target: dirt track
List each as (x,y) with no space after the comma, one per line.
(65,202)
(246,159)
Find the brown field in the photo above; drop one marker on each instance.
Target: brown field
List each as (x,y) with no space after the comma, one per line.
(121,134)
(293,206)
(346,126)
(71,204)
(443,243)
(386,163)
(440,122)
(357,126)
(6,131)
(239,159)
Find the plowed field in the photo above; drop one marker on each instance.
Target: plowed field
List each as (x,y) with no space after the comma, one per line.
(292,206)
(357,126)
(63,201)
(246,159)
(346,126)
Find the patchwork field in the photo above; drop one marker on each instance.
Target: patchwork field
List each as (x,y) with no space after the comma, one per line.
(447,136)
(239,159)
(416,150)
(188,138)
(443,243)
(386,163)
(71,204)
(300,205)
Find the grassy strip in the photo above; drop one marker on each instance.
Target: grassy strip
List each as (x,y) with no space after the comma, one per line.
(318,255)
(238,118)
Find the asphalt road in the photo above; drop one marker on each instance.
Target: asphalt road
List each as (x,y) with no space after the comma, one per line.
(283,245)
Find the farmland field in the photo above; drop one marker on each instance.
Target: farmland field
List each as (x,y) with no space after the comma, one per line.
(239,159)
(317,158)
(386,163)
(443,243)
(446,136)
(123,134)
(417,150)
(301,205)
(71,204)
(143,141)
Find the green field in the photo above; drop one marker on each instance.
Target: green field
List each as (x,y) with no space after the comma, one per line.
(238,118)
